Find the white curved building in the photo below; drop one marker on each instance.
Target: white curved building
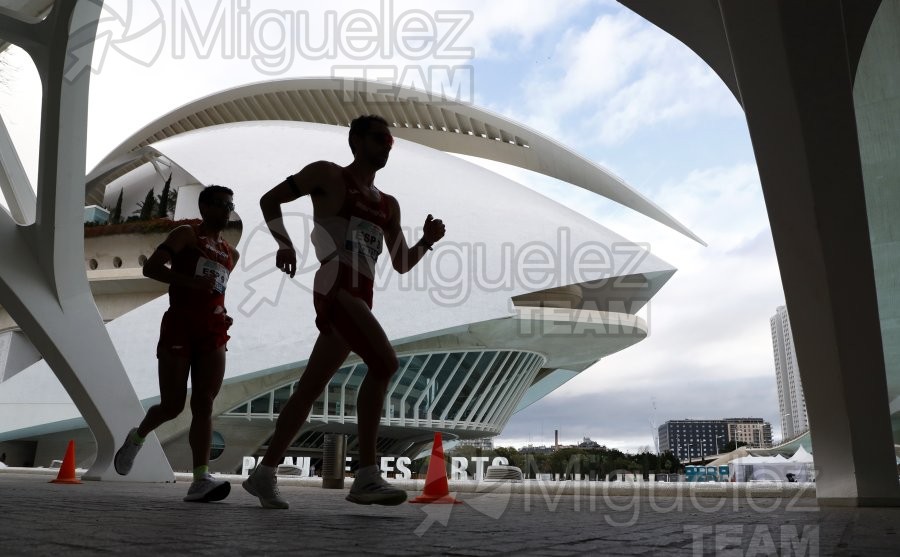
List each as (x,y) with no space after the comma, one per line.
(520,296)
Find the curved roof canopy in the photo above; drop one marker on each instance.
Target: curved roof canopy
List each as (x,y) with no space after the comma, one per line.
(422,117)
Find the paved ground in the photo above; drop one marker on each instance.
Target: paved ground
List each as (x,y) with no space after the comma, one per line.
(41,518)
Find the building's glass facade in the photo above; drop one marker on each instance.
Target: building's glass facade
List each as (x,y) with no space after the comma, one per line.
(449,390)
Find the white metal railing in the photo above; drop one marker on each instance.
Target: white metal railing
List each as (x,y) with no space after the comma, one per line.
(492,382)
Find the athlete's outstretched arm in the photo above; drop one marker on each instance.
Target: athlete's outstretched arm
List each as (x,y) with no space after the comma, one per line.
(403,257)
(293,187)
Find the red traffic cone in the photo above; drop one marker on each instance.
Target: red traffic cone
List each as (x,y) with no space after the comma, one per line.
(437,489)
(67,470)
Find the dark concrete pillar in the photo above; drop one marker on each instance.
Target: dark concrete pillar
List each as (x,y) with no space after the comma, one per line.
(792,64)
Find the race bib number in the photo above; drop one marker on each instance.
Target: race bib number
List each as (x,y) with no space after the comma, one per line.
(364,238)
(209,268)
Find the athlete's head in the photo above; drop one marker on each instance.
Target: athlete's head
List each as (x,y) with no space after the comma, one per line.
(215,204)
(370,140)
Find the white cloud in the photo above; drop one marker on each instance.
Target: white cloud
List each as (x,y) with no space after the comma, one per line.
(519,20)
(617,77)
(713,314)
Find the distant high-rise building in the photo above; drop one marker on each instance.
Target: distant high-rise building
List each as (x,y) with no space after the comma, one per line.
(791,402)
(695,439)
(754,432)
(692,439)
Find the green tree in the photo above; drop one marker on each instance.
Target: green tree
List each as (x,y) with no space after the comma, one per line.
(568,461)
(163,200)
(622,464)
(668,462)
(513,456)
(732,445)
(145,207)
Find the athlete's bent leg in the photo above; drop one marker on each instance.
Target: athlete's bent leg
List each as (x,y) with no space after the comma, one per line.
(327,355)
(355,322)
(173,374)
(326,358)
(207,373)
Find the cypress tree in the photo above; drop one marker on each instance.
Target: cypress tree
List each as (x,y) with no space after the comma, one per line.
(163,210)
(147,206)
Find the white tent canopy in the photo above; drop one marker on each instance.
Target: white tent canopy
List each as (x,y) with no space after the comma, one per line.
(773,468)
(802,455)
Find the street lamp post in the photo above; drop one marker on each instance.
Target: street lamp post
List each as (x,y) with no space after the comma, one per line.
(717,442)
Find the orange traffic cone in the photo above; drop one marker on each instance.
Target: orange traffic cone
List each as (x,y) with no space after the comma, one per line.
(67,470)
(437,490)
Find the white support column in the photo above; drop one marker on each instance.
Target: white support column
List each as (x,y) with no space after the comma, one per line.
(186,202)
(43,283)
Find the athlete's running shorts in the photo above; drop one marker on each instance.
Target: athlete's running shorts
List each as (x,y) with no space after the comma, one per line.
(190,333)
(329,279)
(332,317)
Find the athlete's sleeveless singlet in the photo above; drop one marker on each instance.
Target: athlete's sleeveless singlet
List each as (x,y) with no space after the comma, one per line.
(195,321)
(348,245)
(210,257)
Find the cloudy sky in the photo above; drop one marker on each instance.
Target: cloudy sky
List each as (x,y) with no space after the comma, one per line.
(588,73)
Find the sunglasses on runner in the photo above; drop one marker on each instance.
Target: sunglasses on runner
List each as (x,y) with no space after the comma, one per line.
(383,138)
(221,204)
